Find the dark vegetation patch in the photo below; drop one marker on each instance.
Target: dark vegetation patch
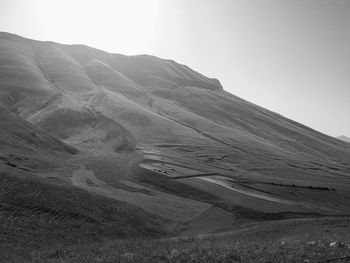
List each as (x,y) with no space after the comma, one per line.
(254,188)
(248,213)
(34,162)
(8,162)
(302,186)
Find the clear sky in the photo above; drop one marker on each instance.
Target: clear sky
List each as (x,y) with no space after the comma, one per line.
(290,56)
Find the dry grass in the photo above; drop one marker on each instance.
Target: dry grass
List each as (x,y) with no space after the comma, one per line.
(37,215)
(316,240)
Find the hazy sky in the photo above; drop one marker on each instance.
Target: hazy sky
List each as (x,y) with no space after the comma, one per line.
(292,57)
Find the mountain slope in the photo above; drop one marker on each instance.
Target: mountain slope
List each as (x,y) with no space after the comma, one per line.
(38,210)
(156,135)
(27,147)
(344,138)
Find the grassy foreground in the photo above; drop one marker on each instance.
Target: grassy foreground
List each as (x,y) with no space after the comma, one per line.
(296,240)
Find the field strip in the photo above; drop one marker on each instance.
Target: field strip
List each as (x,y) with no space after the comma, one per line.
(199,167)
(172,170)
(172,207)
(250,228)
(219,181)
(195,175)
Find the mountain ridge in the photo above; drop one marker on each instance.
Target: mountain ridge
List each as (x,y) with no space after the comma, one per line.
(344,138)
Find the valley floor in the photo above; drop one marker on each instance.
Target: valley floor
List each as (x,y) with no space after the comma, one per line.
(293,240)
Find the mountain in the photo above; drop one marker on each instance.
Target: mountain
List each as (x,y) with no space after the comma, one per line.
(28,147)
(344,138)
(104,145)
